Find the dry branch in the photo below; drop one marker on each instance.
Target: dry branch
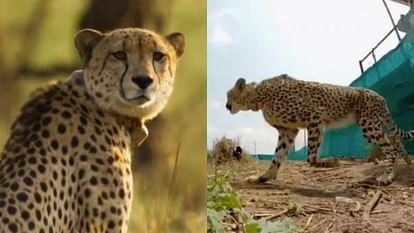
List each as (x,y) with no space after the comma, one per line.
(330,226)
(308,222)
(410,203)
(371,206)
(317,224)
(325,169)
(261,215)
(315,209)
(276,215)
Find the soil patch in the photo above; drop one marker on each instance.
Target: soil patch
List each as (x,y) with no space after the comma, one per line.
(327,199)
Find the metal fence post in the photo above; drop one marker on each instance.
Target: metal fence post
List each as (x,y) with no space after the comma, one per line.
(392,20)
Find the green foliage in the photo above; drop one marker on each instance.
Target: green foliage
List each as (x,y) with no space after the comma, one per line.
(221,196)
(224,209)
(294,210)
(278,227)
(214,220)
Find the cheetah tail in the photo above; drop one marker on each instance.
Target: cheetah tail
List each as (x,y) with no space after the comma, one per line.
(395,130)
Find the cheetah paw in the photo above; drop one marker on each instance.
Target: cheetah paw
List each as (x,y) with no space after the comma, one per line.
(331,163)
(385,179)
(326,163)
(256,179)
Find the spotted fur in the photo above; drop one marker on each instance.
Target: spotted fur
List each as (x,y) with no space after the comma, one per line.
(66,166)
(289,104)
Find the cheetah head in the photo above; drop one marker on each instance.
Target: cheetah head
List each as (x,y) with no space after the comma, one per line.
(240,97)
(130,71)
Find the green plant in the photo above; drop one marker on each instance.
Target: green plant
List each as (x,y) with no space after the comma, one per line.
(226,214)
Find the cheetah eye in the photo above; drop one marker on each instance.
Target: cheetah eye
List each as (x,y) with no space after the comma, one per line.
(120,55)
(158,56)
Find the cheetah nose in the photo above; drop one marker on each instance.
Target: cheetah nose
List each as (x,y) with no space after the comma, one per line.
(228,106)
(142,81)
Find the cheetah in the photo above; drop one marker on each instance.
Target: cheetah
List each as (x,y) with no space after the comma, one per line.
(288,105)
(66,166)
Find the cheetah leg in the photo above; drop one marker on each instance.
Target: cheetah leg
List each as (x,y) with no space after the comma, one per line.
(401,150)
(315,136)
(376,136)
(395,141)
(284,145)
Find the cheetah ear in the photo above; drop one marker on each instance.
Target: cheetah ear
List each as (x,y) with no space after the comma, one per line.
(85,41)
(177,40)
(240,83)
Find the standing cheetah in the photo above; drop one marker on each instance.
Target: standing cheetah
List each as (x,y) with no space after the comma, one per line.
(67,164)
(288,104)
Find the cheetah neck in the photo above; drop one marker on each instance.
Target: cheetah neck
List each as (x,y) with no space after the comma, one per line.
(251,102)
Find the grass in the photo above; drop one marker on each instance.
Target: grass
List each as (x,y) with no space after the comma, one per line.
(185,114)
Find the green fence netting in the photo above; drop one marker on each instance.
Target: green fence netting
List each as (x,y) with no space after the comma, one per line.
(392,77)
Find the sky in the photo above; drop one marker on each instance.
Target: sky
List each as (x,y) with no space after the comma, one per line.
(320,40)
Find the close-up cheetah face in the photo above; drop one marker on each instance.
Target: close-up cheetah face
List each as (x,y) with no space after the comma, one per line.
(235,97)
(130,71)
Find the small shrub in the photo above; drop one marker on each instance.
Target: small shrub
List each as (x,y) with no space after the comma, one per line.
(223,151)
(226,214)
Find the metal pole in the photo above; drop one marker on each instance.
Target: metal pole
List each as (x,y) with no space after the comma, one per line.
(392,20)
(361,67)
(373,56)
(255,152)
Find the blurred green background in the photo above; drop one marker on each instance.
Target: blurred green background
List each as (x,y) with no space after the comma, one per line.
(36,46)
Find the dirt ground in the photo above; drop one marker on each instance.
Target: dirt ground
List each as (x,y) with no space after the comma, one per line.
(328,199)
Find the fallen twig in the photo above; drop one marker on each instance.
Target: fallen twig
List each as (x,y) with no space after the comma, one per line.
(308,222)
(314,226)
(329,228)
(276,215)
(371,206)
(326,169)
(314,209)
(261,215)
(379,211)
(405,202)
